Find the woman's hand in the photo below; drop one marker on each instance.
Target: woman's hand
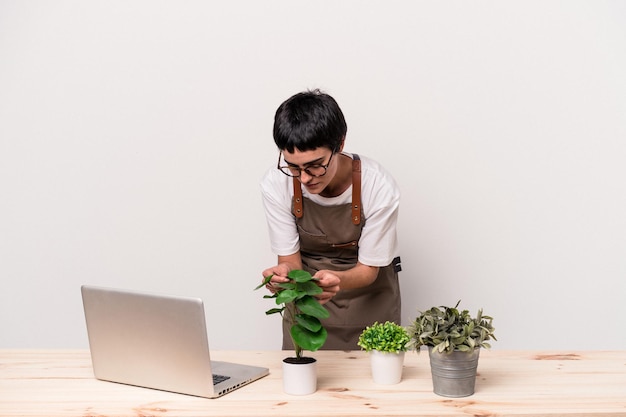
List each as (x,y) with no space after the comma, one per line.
(279,275)
(329,283)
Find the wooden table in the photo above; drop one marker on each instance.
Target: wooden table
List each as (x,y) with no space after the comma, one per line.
(510,383)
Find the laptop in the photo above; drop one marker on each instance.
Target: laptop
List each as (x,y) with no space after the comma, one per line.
(157,341)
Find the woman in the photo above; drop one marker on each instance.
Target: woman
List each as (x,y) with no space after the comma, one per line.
(333,214)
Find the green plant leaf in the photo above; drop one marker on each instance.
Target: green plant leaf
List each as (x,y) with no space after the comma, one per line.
(471,343)
(307,339)
(308,287)
(458,340)
(266,280)
(287,296)
(311,323)
(274,311)
(299,275)
(312,307)
(287,285)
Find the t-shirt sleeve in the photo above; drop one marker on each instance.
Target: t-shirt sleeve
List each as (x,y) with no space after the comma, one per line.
(276,195)
(378,244)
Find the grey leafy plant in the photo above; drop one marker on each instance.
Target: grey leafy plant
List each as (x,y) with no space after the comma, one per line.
(447,329)
(385,337)
(302,310)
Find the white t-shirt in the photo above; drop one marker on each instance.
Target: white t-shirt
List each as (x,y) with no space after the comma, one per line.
(380,197)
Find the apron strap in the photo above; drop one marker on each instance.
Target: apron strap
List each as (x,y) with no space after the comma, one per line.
(297,198)
(298,210)
(356,189)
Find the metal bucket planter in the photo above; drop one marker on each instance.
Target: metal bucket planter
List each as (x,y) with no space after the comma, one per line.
(453,373)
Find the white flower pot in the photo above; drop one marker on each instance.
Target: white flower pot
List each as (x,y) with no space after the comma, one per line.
(299,378)
(386,367)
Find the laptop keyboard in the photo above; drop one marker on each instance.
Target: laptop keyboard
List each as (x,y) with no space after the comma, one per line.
(219,378)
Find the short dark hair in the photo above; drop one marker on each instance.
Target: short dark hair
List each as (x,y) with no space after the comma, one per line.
(309,120)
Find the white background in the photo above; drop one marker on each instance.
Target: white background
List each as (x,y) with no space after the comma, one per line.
(133,135)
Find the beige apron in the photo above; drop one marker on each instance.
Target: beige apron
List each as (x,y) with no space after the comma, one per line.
(329,237)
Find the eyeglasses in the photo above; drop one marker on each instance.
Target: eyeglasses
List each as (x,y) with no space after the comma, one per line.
(296,171)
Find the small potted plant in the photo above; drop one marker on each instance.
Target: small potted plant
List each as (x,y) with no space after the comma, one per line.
(454,339)
(298,305)
(386,344)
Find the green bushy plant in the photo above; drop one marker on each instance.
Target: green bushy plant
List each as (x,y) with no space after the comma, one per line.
(447,329)
(301,309)
(386,337)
